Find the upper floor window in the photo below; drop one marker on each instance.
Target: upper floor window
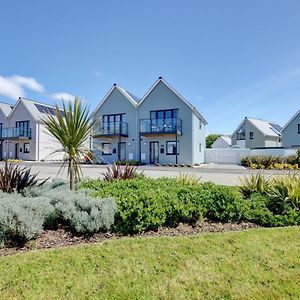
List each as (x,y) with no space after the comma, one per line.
(23,124)
(200,124)
(112,118)
(164,114)
(299,128)
(251,135)
(200,147)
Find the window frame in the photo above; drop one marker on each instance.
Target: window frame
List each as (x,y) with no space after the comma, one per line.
(24,148)
(174,152)
(110,149)
(251,135)
(298,128)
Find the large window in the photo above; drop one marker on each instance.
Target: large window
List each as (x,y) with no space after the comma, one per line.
(23,128)
(106,149)
(111,123)
(163,120)
(171,148)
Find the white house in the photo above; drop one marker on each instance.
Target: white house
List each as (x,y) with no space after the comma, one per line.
(23,136)
(222,142)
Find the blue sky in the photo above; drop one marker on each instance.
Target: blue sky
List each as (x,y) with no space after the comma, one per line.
(230,58)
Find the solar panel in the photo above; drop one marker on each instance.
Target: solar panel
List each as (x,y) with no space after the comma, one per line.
(276,126)
(47,109)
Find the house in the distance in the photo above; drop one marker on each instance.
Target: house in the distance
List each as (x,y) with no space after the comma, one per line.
(291,132)
(222,142)
(256,133)
(23,135)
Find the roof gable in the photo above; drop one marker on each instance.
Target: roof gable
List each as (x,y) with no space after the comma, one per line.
(161,80)
(128,95)
(291,120)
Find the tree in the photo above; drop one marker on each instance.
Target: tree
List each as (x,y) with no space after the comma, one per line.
(210,139)
(71,127)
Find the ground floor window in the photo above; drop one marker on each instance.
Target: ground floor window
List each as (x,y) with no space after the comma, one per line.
(171,147)
(106,149)
(26,148)
(200,147)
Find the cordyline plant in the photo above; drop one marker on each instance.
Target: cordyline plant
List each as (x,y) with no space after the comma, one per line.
(15,178)
(116,172)
(71,127)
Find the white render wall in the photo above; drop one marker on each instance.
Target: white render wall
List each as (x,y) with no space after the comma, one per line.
(234,155)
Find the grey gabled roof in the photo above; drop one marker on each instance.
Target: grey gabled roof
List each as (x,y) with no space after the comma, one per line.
(6,108)
(32,107)
(267,128)
(292,118)
(193,108)
(128,95)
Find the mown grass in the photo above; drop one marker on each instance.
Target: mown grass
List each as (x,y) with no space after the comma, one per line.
(253,264)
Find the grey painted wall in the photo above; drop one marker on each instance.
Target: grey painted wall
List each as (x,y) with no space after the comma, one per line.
(160,98)
(117,103)
(259,139)
(290,135)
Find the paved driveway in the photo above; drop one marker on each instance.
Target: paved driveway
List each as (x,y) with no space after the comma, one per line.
(220,174)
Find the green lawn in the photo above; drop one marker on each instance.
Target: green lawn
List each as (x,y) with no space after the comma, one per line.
(253,264)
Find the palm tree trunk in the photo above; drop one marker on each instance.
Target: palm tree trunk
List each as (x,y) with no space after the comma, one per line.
(72,175)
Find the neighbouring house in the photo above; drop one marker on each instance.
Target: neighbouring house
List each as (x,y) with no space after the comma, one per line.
(256,133)
(222,142)
(291,132)
(161,127)
(23,136)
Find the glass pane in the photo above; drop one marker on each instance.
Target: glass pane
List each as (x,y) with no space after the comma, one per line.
(153,115)
(160,114)
(168,114)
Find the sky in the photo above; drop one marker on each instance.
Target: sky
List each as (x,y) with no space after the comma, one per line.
(230,58)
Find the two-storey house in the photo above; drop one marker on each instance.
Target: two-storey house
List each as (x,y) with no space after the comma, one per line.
(162,127)
(256,133)
(23,136)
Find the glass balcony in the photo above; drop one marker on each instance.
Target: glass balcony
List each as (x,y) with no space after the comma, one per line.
(111,129)
(15,133)
(161,126)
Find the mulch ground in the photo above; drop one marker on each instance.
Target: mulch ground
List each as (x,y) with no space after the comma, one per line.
(61,238)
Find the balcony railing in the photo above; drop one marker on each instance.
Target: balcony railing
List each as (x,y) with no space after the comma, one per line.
(15,133)
(241,136)
(111,129)
(161,126)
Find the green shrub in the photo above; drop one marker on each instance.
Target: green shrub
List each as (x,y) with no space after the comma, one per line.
(187,179)
(285,192)
(145,203)
(255,183)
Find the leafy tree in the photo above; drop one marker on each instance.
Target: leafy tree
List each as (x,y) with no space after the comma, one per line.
(210,139)
(71,127)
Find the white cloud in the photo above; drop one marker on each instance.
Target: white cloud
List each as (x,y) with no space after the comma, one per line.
(15,86)
(64,96)
(28,82)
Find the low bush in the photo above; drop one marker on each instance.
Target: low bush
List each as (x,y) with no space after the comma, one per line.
(145,203)
(22,219)
(24,216)
(291,162)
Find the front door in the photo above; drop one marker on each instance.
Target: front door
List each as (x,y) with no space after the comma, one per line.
(122,151)
(154,152)
(17,151)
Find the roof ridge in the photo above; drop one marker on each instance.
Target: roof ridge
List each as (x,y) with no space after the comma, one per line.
(38,102)
(263,120)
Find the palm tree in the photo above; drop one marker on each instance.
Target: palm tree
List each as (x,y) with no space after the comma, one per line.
(71,127)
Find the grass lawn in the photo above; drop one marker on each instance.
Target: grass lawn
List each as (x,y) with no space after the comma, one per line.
(252,264)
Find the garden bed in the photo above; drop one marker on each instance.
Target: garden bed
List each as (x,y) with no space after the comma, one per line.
(62,238)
